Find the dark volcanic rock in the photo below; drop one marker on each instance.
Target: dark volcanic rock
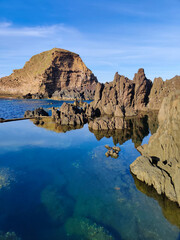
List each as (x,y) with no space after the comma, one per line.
(69,115)
(74,114)
(159,164)
(39,112)
(123,97)
(48,72)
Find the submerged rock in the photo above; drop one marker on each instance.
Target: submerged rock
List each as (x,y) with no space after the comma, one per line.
(58,208)
(86,229)
(9,236)
(159,164)
(112,151)
(1,119)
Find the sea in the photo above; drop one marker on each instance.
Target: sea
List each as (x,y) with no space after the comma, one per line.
(57,184)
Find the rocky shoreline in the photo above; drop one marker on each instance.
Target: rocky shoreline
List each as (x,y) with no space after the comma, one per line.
(118,106)
(159,165)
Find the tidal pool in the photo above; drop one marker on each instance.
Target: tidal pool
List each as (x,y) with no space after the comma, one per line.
(58,184)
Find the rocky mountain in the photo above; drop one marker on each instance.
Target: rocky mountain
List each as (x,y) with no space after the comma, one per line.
(49,74)
(159,164)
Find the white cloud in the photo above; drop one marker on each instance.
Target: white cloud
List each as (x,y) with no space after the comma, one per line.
(7,29)
(122,48)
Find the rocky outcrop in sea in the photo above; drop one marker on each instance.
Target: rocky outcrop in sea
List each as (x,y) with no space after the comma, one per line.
(159,164)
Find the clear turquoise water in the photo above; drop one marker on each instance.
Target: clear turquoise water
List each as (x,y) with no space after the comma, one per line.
(61,186)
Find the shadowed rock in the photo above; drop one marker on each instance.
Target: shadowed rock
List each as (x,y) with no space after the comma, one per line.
(159,164)
(39,112)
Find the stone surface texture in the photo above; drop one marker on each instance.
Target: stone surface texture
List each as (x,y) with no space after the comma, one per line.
(159,164)
(49,72)
(123,96)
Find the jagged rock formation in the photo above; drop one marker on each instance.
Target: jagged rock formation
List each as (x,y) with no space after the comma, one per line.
(69,115)
(123,96)
(159,164)
(72,114)
(48,73)
(161,89)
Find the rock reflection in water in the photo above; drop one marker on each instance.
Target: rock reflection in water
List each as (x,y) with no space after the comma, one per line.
(49,124)
(170,209)
(139,128)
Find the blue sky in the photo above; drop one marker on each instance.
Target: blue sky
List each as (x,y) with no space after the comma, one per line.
(110,36)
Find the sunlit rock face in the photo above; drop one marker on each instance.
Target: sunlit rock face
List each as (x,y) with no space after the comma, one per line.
(159,164)
(123,96)
(49,72)
(161,89)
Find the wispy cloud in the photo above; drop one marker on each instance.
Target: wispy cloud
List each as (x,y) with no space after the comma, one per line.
(121,48)
(7,29)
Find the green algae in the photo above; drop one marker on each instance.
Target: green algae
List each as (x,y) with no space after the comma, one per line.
(9,236)
(86,229)
(58,208)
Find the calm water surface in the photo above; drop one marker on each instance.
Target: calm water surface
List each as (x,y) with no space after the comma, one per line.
(16,108)
(57,185)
